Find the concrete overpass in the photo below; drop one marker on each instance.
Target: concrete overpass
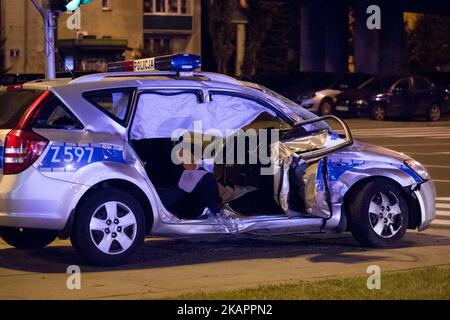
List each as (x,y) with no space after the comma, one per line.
(324,33)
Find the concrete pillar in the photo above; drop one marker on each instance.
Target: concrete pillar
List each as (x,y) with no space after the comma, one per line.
(336,35)
(367,43)
(312,46)
(379,51)
(392,38)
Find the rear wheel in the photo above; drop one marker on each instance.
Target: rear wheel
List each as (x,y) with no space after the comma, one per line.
(109,227)
(378,113)
(434,113)
(378,214)
(326,108)
(27,239)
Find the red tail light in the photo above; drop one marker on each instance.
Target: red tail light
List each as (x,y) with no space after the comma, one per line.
(22,146)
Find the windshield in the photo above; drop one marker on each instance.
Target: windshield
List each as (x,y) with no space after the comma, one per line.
(379,84)
(294,107)
(350,81)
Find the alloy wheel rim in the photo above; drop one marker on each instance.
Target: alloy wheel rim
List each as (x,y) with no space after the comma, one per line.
(379,113)
(113,228)
(385,214)
(435,113)
(326,109)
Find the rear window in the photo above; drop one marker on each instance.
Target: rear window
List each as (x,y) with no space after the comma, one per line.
(13,105)
(55,115)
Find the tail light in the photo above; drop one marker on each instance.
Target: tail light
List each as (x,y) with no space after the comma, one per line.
(22,146)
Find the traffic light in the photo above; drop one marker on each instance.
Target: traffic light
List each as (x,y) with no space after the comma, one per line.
(69,5)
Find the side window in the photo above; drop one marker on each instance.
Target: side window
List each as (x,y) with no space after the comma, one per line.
(115,103)
(265,118)
(421,83)
(402,85)
(55,115)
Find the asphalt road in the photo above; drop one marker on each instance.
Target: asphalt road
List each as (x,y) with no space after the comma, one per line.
(165,268)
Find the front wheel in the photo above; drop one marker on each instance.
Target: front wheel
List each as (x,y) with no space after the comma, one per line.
(378,113)
(378,214)
(326,108)
(109,227)
(27,239)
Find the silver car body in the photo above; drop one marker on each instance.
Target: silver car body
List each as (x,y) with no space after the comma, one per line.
(45,197)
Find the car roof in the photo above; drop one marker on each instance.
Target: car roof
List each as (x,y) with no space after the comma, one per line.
(139,79)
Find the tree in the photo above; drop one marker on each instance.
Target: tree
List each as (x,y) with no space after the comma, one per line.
(428,44)
(260,15)
(272,37)
(222,31)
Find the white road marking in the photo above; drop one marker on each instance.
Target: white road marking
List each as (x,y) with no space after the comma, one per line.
(441,222)
(443,199)
(442,205)
(443,213)
(405,132)
(442,181)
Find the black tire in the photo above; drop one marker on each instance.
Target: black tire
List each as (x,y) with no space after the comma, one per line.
(27,239)
(83,237)
(378,112)
(326,108)
(362,224)
(434,113)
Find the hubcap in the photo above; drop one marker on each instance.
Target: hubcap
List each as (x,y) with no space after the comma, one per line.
(435,113)
(113,227)
(379,113)
(385,214)
(326,109)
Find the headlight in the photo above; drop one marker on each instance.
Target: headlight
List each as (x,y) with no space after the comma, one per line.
(418,168)
(361,102)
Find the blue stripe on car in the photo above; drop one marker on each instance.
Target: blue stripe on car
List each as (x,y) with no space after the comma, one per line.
(65,157)
(337,168)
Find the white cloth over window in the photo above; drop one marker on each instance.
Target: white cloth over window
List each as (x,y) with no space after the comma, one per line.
(165,116)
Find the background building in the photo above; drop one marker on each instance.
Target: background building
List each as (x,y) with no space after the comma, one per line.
(104,31)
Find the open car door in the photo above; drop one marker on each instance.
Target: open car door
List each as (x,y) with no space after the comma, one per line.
(301,183)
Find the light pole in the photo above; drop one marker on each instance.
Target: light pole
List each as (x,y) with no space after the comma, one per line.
(49,17)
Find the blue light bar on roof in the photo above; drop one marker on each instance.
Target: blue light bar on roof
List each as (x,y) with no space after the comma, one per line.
(181,63)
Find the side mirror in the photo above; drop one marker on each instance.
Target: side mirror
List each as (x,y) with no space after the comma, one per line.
(398,90)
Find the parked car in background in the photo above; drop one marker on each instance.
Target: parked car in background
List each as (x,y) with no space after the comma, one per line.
(395,95)
(322,100)
(314,92)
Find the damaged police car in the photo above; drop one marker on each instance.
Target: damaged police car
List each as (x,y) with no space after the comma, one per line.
(98,160)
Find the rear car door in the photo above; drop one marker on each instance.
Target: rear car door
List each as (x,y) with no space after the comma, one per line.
(424,95)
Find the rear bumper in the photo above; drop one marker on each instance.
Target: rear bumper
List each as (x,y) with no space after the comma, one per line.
(30,200)
(426,197)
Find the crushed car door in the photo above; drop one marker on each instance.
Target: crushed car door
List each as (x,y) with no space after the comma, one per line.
(302,176)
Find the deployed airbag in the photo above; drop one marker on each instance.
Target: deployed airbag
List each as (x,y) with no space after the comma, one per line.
(167,115)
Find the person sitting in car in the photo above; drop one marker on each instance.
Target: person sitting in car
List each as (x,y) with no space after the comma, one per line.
(198,189)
